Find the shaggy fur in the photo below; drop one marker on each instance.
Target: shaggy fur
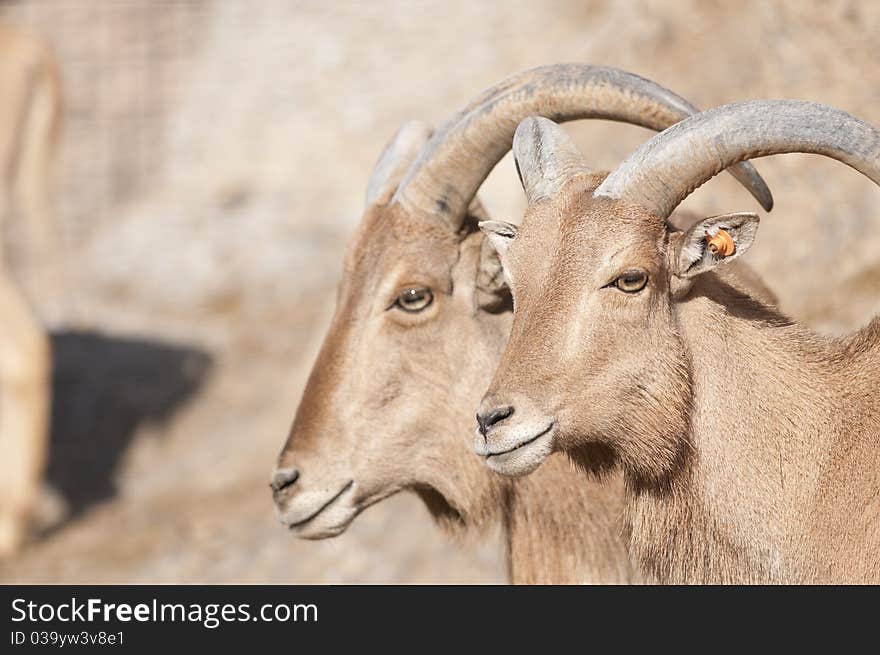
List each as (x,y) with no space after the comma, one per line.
(750,445)
(392,392)
(389,404)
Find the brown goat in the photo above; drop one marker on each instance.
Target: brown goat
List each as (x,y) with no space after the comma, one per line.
(421,319)
(750,445)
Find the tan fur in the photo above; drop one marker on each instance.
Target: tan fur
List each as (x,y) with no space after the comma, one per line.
(389,407)
(750,445)
(29,115)
(392,391)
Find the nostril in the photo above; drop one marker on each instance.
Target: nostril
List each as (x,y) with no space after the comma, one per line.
(283,478)
(487,419)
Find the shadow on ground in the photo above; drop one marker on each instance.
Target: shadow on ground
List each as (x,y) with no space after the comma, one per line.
(104,387)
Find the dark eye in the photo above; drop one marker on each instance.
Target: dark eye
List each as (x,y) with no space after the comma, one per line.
(414,300)
(632,281)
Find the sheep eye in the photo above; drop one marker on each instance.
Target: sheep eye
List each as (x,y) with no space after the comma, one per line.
(414,300)
(632,281)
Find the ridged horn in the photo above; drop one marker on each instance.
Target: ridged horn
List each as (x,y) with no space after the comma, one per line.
(545,157)
(460,155)
(395,160)
(666,169)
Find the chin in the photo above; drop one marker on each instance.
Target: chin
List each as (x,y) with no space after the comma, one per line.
(524,457)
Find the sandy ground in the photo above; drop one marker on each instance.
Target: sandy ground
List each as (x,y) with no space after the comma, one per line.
(214,164)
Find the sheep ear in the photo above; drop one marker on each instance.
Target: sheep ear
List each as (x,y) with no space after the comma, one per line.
(712,241)
(492,291)
(499,236)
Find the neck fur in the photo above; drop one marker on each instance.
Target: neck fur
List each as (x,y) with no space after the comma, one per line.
(781,481)
(558,525)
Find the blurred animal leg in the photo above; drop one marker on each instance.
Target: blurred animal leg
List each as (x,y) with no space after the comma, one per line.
(4,212)
(24,414)
(34,178)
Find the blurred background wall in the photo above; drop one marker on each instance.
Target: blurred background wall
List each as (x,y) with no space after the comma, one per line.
(213,164)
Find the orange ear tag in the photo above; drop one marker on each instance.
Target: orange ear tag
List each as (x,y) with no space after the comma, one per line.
(721,244)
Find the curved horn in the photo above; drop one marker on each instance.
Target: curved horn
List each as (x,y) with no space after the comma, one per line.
(666,169)
(460,156)
(398,155)
(545,157)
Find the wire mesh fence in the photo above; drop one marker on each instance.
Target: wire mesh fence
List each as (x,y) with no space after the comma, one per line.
(123,62)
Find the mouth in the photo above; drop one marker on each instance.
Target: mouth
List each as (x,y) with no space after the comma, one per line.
(523,457)
(329,518)
(520,445)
